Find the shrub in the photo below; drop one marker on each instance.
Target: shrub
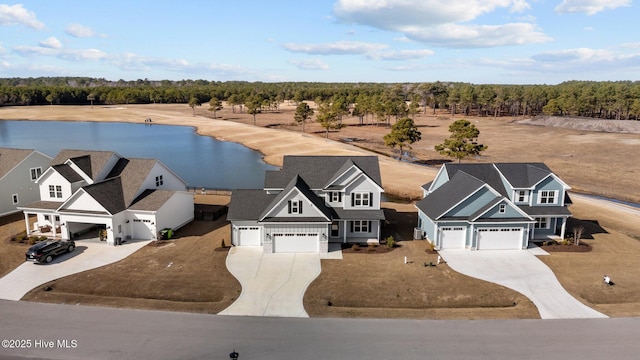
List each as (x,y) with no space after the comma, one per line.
(42,238)
(33,239)
(355,247)
(223,244)
(391,242)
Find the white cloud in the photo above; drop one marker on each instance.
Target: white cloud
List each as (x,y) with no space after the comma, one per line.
(400,55)
(442,22)
(590,7)
(335,48)
(576,55)
(29,51)
(310,64)
(51,43)
(18,15)
(81,31)
(83,54)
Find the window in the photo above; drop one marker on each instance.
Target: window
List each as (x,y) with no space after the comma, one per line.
(541,223)
(361,199)
(335,196)
(360,226)
(55,191)
(119,229)
(523,196)
(295,207)
(547,197)
(35,173)
(14,197)
(335,229)
(47,218)
(56,218)
(159,181)
(503,208)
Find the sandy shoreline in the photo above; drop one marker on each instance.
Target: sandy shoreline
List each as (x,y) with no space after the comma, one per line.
(400,179)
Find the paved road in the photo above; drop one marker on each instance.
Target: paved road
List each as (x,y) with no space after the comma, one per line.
(104,333)
(524,273)
(89,254)
(272,284)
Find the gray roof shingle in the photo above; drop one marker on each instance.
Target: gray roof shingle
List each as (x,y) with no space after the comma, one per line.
(523,175)
(67,172)
(10,158)
(449,194)
(109,194)
(248,204)
(92,162)
(318,171)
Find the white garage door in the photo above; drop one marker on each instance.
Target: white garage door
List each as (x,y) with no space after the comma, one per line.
(499,238)
(249,236)
(142,229)
(452,237)
(301,243)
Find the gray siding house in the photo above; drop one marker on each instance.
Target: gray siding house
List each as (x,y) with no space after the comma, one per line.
(493,206)
(312,201)
(19,170)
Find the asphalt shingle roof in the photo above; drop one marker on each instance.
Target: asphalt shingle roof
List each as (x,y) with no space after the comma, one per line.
(109,194)
(151,200)
(67,172)
(523,175)
(318,171)
(449,194)
(10,158)
(484,172)
(248,204)
(92,162)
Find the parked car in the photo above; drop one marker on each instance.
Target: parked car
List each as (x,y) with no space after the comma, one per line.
(43,252)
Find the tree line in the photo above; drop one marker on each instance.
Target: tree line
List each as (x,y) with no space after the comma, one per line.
(370,102)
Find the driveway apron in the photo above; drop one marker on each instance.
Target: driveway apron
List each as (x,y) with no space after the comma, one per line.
(88,254)
(524,273)
(272,284)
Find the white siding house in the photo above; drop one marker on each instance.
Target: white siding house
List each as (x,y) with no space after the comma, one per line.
(100,190)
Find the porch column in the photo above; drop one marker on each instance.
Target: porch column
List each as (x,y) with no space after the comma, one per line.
(533,231)
(344,232)
(378,230)
(563,228)
(26,221)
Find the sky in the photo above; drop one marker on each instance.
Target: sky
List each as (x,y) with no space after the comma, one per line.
(474,41)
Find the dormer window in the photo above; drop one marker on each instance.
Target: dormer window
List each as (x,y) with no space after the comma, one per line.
(522,196)
(295,206)
(547,197)
(55,191)
(335,196)
(361,199)
(502,209)
(159,181)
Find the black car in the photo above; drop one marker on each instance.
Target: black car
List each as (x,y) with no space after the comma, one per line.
(43,252)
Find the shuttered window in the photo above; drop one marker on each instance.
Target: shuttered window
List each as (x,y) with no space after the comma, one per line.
(295,207)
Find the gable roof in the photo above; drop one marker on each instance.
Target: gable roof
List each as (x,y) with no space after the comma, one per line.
(318,171)
(151,199)
(484,172)
(109,194)
(91,162)
(451,193)
(67,172)
(298,183)
(10,158)
(523,175)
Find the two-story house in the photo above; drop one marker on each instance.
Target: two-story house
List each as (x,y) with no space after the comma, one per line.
(310,202)
(493,206)
(19,170)
(128,198)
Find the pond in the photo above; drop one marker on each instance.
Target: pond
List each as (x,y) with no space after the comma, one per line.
(200,160)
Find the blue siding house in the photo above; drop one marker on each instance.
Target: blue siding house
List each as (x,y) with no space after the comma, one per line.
(493,206)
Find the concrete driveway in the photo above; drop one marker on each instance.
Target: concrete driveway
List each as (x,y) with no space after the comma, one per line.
(272,284)
(88,254)
(524,273)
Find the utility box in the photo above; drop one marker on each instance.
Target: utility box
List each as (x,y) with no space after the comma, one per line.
(166,234)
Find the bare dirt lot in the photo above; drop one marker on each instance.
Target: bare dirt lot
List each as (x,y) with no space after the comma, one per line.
(593,162)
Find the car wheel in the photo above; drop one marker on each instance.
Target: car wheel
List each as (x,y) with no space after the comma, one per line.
(70,248)
(48,259)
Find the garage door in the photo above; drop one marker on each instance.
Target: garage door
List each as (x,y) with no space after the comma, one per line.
(499,238)
(301,243)
(452,237)
(249,236)
(142,229)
